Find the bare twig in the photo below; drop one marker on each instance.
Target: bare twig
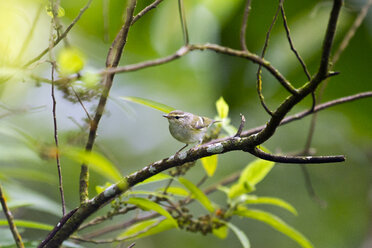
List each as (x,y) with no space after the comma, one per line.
(302,62)
(81,103)
(9,217)
(241,126)
(112,61)
(145,10)
(62,36)
(57,146)
(100,219)
(250,56)
(305,113)
(358,20)
(350,34)
(259,70)
(181,9)
(54,109)
(243,28)
(296,159)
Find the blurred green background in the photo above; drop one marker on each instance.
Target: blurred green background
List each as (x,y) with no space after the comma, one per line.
(132,136)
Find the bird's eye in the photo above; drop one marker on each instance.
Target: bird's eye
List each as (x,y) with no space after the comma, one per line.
(177,117)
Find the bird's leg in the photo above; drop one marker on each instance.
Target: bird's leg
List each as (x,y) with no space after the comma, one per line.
(181,149)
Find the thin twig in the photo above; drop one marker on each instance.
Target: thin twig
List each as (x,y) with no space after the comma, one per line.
(112,60)
(100,219)
(145,10)
(302,62)
(350,34)
(250,56)
(54,110)
(9,216)
(181,9)
(345,42)
(81,103)
(305,113)
(259,70)
(296,159)
(57,146)
(241,126)
(243,28)
(62,36)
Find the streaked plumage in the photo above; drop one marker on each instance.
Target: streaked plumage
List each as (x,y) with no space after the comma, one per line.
(187,127)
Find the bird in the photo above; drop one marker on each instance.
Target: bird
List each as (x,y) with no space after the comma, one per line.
(188,128)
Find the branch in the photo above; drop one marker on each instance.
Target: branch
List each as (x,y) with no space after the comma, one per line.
(243,28)
(112,60)
(317,108)
(296,159)
(145,10)
(328,40)
(250,56)
(290,41)
(9,217)
(231,144)
(259,70)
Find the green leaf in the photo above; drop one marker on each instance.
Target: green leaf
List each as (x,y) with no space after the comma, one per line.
(252,174)
(240,234)
(96,162)
(197,194)
(276,223)
(146,228)
(155,178)
(146,205)
(151,193)
(221,232)
(70,60)
(222,108)
(28,224)
(149,103)
(249,199)
(35,200)
(210,164)
(177,191)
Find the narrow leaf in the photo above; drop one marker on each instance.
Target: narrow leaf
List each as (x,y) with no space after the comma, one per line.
(197,194)
(149,103)
(146,204)
(222,108)
(156,178)
(276,223)
(151,193)
(146,228)
(96,161)
(272,201)
(252,174)
(240,234)
(28,224)
(177,191)
(210,164)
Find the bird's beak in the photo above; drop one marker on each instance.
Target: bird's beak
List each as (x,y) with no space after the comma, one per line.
(166,116)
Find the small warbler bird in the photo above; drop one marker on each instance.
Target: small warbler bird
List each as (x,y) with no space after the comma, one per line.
(187,127)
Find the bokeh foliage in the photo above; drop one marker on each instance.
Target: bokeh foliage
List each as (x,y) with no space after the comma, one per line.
(131,136)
